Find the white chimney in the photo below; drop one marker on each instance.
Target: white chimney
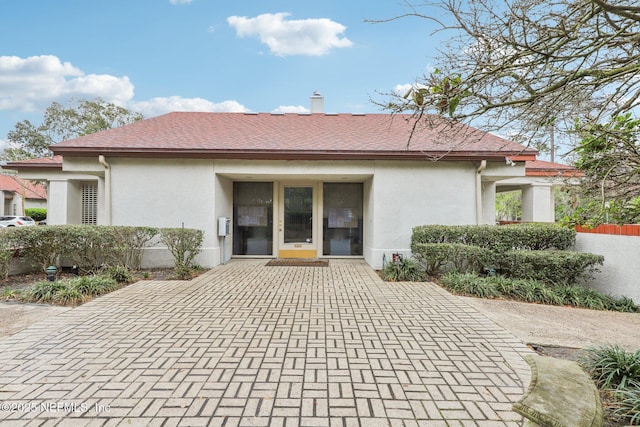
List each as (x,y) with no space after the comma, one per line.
(317,103)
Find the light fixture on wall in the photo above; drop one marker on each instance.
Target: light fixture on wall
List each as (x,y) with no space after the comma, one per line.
(509,162)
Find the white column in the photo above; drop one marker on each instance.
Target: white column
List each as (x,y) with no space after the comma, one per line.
(57,202)
(538,203)
(489,202)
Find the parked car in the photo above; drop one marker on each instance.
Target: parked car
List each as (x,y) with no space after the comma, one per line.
(16,221)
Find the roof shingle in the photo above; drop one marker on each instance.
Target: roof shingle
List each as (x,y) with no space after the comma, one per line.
(299,135)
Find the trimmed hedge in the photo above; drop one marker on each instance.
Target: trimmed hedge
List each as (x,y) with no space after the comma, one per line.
(38,214)
(90,246)
(523,251)
(551,267)
(533,237)
(437,258)
(87,246)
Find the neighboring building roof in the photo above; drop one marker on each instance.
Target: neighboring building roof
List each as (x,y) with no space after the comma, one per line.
(549,169)
(293,136)
(20,186)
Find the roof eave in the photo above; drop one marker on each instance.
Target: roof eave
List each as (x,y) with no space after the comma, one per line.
(293,154)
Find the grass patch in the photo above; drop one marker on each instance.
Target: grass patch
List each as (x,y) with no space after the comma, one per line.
(405,270)
(617,373)
(534,291)
(73,291)
(611,366)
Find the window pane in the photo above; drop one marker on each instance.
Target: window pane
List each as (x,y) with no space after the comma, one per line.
(298,214)
(342,219)
(252,218)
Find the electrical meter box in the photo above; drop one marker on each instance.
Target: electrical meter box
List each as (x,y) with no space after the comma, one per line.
(224,226)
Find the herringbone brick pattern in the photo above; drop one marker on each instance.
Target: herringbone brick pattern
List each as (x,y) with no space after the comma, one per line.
(249,345)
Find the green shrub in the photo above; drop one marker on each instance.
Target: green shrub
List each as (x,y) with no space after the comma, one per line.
(93,285)
(499,239)
(87,246)
(119,273)
(437,258)
(69,295)
(130,242)
(470,284)
(41,246)
(611,366)
(183,243)
(69,291)
(550,266)
(629,403)
(44,291)
(533,291)
(38,214)
(405,270)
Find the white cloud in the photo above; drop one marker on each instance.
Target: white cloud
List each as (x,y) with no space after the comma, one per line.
(291,109)
(180,1)
(312,37)
(402,89)
(29,84)
(32,84)
(162,105)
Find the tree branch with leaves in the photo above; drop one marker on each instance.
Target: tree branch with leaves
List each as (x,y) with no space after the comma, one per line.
(81,117)
(513,64)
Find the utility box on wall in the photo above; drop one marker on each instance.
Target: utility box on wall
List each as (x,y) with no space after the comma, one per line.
(224,226)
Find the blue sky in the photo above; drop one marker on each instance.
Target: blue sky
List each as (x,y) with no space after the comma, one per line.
(156,56)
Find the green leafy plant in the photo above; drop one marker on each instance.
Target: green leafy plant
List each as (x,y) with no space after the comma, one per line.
(533,291)
(69,291)
(498,239)
(611,366)
(183,243)
(119,273)
(93,285)
(629,403)
(550,266)
(405,270)
(11,294)
(38,214)
(437,258)
(44,291)
(69,295)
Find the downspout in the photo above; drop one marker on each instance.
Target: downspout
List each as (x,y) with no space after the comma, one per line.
(107,189)
(483,166)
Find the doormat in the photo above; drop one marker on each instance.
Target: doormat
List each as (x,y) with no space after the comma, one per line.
(297,263)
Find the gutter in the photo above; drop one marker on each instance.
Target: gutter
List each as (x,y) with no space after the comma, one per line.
(483,166)
(107,189)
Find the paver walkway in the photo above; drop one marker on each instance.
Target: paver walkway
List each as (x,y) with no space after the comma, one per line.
(250,345)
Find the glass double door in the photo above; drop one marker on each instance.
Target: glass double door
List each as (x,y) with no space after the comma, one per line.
(297,220)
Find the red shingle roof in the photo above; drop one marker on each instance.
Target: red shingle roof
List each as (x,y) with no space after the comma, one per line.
(549,169)
(21,186)
(270,136)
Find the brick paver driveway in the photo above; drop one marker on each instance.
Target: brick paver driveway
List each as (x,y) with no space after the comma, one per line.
(251,345)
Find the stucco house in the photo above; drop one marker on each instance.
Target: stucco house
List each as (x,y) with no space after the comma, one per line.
(18,195)
(292,185)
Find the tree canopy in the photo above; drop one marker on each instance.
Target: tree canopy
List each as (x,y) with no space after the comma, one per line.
(61,123)
(528,64)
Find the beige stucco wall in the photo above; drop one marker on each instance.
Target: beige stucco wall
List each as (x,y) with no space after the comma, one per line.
(407,194)
(398,195)
(166,193)
(620,271)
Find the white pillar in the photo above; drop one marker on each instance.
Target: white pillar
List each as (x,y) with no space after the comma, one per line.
(57,202)
(538,203)
(489,202)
